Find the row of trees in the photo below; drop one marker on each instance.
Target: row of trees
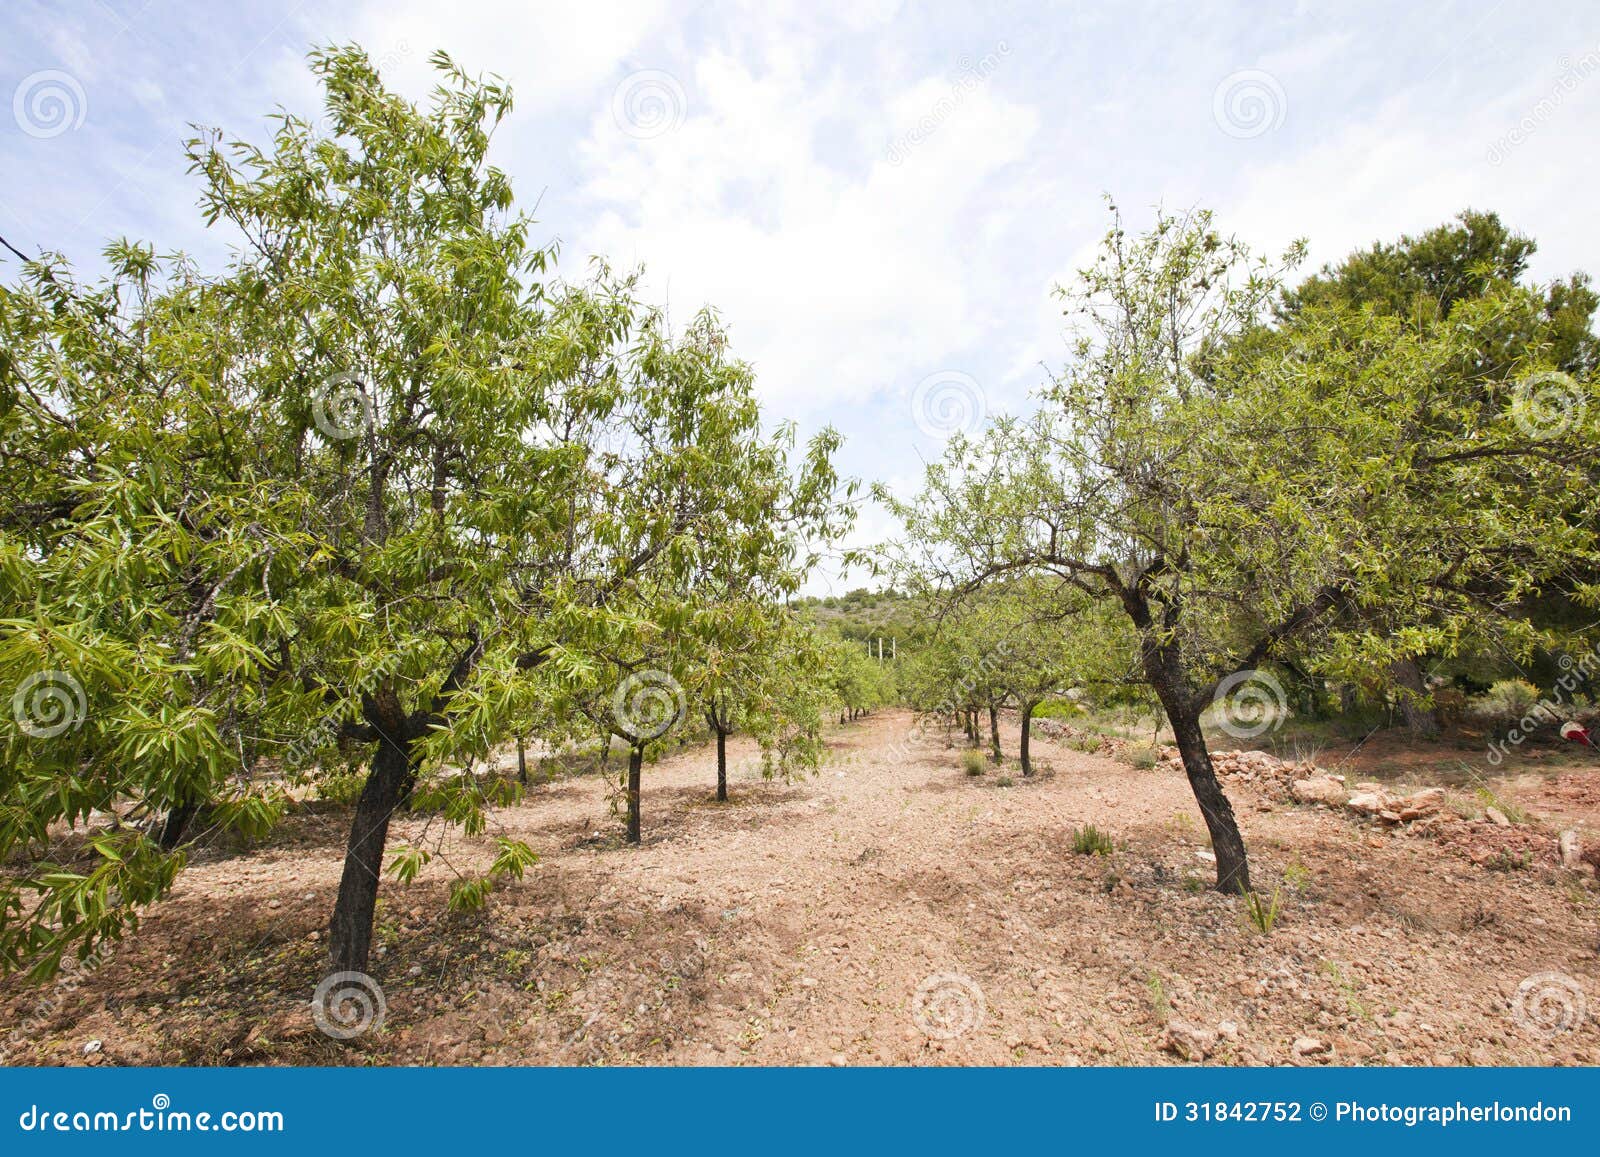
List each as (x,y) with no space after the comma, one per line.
(381,494)
(1391,464)
(859,683)
(1011,645)
(384,493)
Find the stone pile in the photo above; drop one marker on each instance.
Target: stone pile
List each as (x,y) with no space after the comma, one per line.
(1488,839)
(1055,729)
(1374,800)
(1272,775)
(1304,782)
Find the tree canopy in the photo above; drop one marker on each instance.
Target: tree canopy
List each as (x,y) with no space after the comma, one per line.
(360,490)
(1233,482)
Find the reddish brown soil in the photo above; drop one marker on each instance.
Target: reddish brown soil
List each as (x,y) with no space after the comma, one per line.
(797,923)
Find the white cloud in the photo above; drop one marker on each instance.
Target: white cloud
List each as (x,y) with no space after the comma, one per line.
(839,279)
(1408,165)
(552,51)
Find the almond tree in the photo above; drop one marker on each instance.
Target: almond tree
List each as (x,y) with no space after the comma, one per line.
(766,682)
(1047,636)
(944,671)
(134,570)
(411,380)
(354,493)
(732,527)
(1231,497)
(858,683)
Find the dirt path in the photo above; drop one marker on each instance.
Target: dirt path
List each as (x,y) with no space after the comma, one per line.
(889,911)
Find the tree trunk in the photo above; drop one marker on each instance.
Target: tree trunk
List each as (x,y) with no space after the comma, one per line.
(1163,669)
(350,931)
(1305,691)
(522,762)
(177,822)
(722,766)
(1421,720)
(1027,727)
(1233,864)
(635,769)
(994,734)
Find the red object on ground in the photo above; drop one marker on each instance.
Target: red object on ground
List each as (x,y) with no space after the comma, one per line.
(1577,733)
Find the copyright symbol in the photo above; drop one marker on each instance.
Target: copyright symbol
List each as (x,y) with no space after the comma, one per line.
(1319,1111)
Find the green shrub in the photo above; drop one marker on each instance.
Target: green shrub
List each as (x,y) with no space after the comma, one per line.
(1091,841)
(1057,709)
(972,761)
(1487,797)
(342,789)
(1262,911)
(1005,781)
(1159,1004)
(1507,699)
(1140,755)
(1507,861)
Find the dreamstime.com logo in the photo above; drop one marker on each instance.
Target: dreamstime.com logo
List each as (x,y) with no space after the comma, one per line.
(1571,75)
(342,407)
(71,977)
(925,724)
(648,704)
(347,1005)
(948,403)
(1248,103)
(1548,1004)
(1552,708)
(649,103)
(1249,704)
(48,703)
(1547,404)
(947,1005)
(326,126)
(969,76)
(160,1117)
(49,103)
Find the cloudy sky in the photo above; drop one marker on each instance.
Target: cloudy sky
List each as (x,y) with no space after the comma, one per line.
(878,200)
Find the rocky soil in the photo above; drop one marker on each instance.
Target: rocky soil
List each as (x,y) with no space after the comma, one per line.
(892,910)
